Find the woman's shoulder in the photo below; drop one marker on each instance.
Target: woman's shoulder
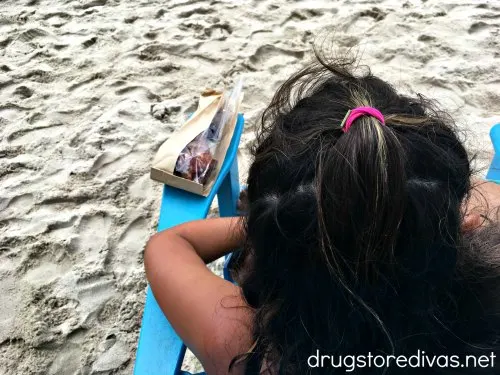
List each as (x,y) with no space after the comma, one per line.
(230,337)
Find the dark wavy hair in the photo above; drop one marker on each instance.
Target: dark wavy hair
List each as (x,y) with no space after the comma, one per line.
(354,239)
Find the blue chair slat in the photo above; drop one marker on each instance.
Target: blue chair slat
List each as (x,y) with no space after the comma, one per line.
(494,170)
(160,351)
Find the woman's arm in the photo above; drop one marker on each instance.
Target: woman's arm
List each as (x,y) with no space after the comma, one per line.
(206,311)
(209,238)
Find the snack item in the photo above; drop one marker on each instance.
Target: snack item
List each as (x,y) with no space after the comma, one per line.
(191,158)
(196,163)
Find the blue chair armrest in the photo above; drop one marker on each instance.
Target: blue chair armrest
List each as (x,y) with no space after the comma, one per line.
(494,170)
(160,351)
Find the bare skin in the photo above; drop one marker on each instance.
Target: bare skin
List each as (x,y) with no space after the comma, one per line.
(206,311)
(483,205)
(209,313)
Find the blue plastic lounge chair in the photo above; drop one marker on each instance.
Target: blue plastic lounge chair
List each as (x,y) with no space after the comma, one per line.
(494,170)
(160,351)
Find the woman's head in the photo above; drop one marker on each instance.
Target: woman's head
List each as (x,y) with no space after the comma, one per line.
(353,237)
(357,188)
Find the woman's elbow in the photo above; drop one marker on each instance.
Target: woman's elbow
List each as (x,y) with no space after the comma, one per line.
(152,251)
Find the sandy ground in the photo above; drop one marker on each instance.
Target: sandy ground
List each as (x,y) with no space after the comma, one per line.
(78,79)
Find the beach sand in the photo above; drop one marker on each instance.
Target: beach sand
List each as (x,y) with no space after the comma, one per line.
(89,89)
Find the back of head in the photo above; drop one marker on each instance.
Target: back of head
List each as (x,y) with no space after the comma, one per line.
(354,238)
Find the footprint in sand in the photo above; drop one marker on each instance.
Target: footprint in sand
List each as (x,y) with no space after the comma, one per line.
(116,354)
(39,76)
(62,229)
(34,134)
(154,52)
(92,241)
(151,35)
(18,205)
(218,31)
(305,14)
(67,361)
(46,272)
(142,90)
(109,157)
(93,295)
(57,19)
(478,27)
(89,42)
(84,80)
(22,227)
(196,11)
(142,187)
(13,112)
(426,38)
(375,13)
(124,166)
(269,55)
(23,92)
(364,20)
(33,33)
(5,81)
(9,306)
(131,19)
(90,4)
(10,152)
(126,255)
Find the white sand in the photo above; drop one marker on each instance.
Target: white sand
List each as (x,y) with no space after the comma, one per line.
(77,80)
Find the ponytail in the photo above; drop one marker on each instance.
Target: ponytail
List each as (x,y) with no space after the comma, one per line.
(361,186)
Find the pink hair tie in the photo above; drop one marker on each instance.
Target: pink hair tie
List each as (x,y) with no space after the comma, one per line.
(355,113)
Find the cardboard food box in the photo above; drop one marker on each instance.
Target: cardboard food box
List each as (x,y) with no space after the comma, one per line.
(192,157)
